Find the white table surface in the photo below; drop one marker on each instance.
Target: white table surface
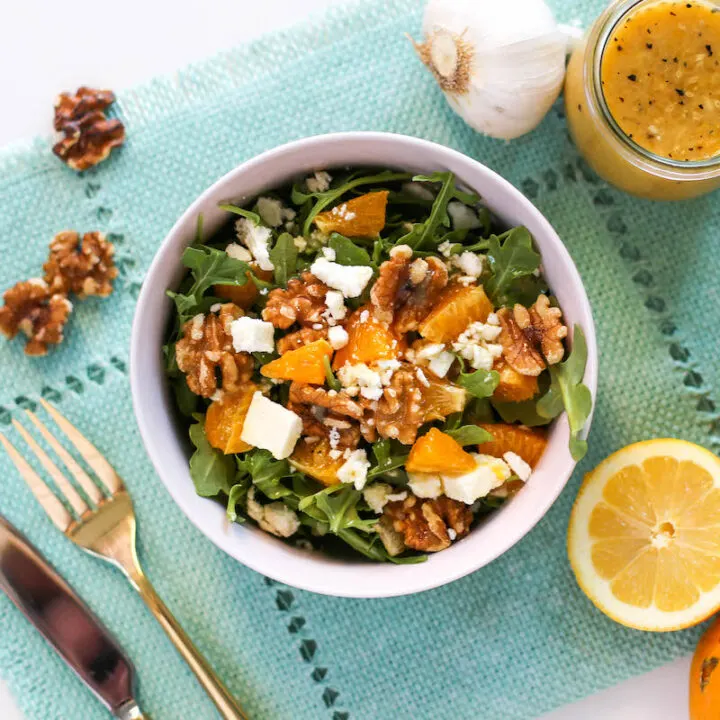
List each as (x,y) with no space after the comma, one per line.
(40,56)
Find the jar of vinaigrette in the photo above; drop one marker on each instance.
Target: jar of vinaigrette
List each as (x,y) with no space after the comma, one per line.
(642,97)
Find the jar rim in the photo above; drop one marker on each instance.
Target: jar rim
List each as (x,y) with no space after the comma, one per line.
(603,31)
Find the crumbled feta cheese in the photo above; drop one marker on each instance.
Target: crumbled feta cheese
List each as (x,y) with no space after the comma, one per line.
(419,190)
(300,243)
(354,469)
(439,360)
(273,212)
(429,351)
(470,263)
(445,248)
(317,326)
(421,377)
(363,377)
(338,337)
(425,485)
(418,271)
(251,335)
(376,496)
(329,254)
(364,316)
(401,252)
(350,280)
(386,369)
(463,217)
(270,426)
(488,474)
(518,465)
(341,211)
(276,518)
(215,307)
(465,280)
(257,240)
(334,437)
(238,252)
(335,309)
(196,328)
(476,345)
(397,497)
(218,395)
(335,454)
(492,319)
(451,534)
(319,182)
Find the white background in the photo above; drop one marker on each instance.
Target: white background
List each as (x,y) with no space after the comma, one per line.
(48,47)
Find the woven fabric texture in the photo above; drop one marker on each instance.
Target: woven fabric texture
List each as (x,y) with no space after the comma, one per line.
(511,641)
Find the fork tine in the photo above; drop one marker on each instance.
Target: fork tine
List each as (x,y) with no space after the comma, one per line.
(81,477)
(101,467)
(44,495)
(63,484)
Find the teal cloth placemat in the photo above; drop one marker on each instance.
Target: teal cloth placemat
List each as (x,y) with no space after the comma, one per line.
(513,640)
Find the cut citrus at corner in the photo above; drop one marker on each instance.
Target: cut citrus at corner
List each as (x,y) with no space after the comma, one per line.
(644,535)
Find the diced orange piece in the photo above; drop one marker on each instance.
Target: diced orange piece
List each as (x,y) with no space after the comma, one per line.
(437,452)
(369,340)
(304,365)
(514,387)
(528,443)
(314,460)
(363,216)
(225,419)
(243,295)
(457,308)
(441,398)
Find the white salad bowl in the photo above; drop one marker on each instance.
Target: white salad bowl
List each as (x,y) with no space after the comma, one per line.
(166,441)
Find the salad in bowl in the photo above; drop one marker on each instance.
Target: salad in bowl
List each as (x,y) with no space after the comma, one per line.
(367,362)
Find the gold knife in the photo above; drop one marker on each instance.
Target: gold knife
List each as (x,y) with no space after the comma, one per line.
(67,623)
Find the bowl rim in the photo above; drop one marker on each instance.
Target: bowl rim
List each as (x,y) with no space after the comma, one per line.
(225,538)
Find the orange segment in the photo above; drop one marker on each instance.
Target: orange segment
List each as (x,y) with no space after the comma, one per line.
(243,295)
(441,398)
(369,340)
(304,365)
(225,418)
(644,535)
(437,452)
(528,443)
(363,216)
(514,387)
(314,460)
(457,308)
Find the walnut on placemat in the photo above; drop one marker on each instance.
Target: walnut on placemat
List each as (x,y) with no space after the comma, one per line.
(88,136)
(84,268)
(32,308)
(206,347)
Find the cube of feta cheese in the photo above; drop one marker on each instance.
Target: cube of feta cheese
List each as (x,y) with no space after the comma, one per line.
(257,240)
(270,426)
(425,485)
(489,473)
(354,469)
(238,252)
(252,335)
(350,280)
(338,337)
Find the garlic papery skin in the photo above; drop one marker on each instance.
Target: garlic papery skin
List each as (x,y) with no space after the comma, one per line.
(500,63)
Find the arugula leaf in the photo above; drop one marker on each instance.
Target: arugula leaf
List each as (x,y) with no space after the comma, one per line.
(332,381)
(330,196)
(212,471)
(480,383)
(470,435)
(236,494)
(567,389)
(425,231)
(199,225)
(253,217)
(266,473)
(512,261)
(339,505)
(525,412)
(479,410)
(347,252)
(467,198)
(389,457)
(283,256)
(185,398)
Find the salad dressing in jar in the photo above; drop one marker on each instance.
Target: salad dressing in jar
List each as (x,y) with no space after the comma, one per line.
(643,97)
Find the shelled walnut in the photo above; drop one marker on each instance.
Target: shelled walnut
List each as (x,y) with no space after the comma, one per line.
(84,268)
(32,308)
(88,136)
(302,302)
(518,348)
(399,414)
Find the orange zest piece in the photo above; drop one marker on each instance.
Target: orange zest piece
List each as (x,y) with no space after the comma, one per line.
(368,341)
(314,460)
(304,365)
(457,308)
(528,443)
(514,387)
(437,452)
(363,216)
(225,419)
(243,295)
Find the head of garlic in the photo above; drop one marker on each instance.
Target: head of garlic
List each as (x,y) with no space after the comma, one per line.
(500,63)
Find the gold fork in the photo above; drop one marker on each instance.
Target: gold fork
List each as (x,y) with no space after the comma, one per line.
(105,528)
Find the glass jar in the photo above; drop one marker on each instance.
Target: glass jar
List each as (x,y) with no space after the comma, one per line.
(613,154)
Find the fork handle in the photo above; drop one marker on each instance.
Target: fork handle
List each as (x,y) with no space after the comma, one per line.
(225,703)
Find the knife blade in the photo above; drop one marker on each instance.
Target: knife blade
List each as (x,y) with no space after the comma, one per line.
(67,623)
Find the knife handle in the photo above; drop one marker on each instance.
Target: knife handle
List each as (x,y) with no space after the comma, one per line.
(225,703)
